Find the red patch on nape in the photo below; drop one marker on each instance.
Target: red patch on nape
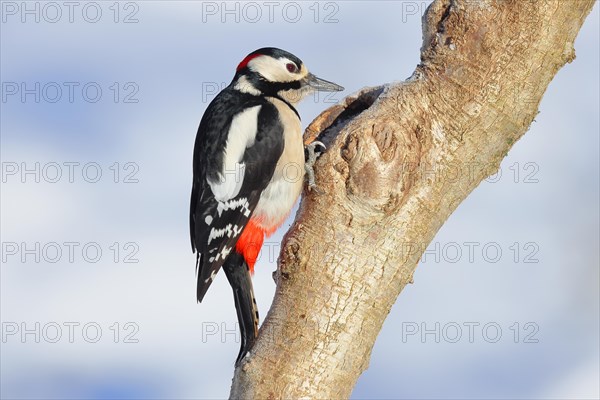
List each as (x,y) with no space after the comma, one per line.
(250,242)
(246,60)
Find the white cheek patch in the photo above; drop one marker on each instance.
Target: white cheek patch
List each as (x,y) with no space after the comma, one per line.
(275,70)
(242,134)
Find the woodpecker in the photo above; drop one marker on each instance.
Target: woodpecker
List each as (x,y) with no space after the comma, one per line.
(248,171)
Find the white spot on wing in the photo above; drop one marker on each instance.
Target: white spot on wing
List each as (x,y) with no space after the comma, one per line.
(208,219)
(217,233)
(225,252)
(241,203)
(237,230)
(211,277)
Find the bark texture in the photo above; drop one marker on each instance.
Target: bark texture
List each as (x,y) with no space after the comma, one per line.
(400,159)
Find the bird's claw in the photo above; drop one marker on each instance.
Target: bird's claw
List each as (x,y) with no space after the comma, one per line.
(312,154)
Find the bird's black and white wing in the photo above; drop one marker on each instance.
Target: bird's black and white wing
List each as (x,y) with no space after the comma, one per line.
(239,141)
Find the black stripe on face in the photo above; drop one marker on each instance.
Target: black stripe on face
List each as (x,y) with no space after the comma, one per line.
(270,88)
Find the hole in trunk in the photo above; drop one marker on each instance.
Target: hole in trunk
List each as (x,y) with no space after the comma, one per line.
(352,109)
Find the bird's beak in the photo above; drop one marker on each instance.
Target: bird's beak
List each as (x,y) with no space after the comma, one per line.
(321,84)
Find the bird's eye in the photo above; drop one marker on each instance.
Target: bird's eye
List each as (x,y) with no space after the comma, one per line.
(291,67)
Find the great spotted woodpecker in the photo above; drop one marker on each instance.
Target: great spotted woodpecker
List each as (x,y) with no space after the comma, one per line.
(248,172)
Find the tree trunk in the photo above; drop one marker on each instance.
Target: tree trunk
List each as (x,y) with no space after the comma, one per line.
(400,159)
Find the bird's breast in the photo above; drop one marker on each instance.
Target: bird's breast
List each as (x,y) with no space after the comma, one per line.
(278,198)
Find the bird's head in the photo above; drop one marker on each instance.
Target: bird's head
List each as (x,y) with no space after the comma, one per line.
(274,72)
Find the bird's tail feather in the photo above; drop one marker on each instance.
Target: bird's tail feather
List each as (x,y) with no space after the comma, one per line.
(238,274)
(202,285)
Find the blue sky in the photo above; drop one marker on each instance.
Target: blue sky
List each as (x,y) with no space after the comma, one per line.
(505,304)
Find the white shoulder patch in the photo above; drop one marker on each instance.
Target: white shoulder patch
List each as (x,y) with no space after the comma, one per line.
(243,85)
(241,135)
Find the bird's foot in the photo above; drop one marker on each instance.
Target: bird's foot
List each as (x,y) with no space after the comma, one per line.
(311,155)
